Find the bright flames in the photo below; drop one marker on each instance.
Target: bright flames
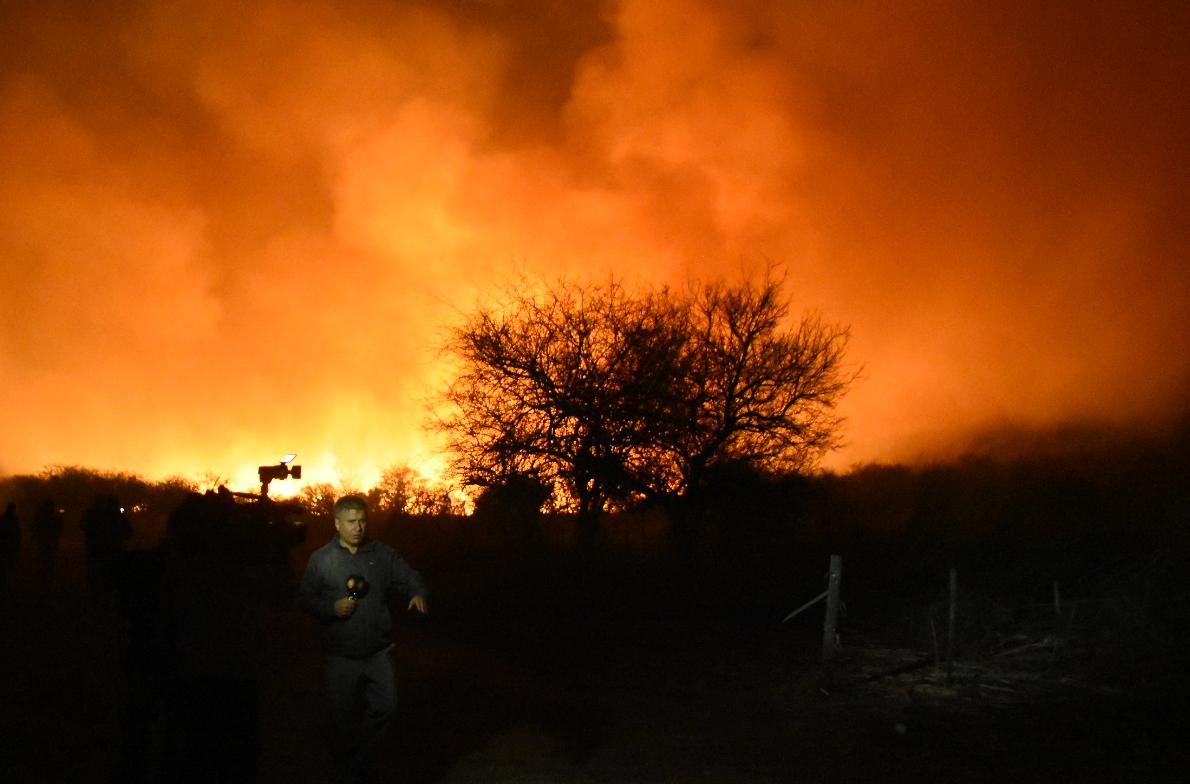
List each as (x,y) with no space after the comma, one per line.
(228,231)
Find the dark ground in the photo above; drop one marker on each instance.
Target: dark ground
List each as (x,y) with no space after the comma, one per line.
(657,698)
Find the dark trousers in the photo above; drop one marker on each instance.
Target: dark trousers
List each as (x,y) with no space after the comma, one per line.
(362,698)
(218,729)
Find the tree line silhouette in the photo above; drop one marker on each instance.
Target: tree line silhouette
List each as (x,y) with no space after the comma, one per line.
(663,443)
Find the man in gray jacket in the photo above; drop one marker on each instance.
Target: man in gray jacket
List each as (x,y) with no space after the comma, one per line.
(346,586)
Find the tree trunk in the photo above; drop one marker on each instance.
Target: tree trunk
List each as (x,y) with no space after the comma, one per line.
(585,536)
(683,525)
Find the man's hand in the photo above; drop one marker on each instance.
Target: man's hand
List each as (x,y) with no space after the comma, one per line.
(345,606)
(419,603)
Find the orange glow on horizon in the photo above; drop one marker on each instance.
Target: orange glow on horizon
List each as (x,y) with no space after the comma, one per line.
(205,263)
(325,468)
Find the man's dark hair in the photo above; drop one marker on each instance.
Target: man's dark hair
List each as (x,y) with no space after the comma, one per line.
(356,502)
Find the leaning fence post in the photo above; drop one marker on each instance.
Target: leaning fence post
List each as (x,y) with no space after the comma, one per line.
(954,590)
(829,636)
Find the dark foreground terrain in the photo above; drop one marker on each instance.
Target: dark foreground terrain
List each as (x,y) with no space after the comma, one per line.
(602,696)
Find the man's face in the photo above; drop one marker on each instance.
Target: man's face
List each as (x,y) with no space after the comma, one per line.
(351,524)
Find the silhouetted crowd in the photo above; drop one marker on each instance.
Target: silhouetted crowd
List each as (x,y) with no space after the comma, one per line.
(190,618)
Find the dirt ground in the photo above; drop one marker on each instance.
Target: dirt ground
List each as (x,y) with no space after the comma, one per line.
(604,700)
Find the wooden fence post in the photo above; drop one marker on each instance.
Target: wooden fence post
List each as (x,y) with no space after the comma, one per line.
(954,590)
(829,633)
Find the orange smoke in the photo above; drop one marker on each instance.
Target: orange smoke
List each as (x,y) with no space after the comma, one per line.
(230,233)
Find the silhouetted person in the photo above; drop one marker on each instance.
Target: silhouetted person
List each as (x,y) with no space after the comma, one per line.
(194,608)
(45,533)
(147,661)
(105,530)
(346,587)
(215,584)
(10,544)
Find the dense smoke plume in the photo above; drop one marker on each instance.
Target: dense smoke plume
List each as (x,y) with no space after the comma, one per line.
(230,230)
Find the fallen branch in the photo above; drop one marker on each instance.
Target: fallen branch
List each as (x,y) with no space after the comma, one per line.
(807,605)
(1045,642)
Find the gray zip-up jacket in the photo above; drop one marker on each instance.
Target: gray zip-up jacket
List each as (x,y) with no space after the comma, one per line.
(369,629)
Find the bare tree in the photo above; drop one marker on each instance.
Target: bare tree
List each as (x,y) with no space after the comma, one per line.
(617,397)
(754,388)
(557,385)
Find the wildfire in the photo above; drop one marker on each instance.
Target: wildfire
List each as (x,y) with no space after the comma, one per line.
(224,229)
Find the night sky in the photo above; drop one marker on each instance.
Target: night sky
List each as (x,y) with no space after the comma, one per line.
(229,231)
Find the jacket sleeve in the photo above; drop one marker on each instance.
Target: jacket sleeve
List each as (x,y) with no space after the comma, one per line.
(406,579)
(310,592)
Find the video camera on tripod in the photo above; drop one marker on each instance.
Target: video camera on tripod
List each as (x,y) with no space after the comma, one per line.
(283,470)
